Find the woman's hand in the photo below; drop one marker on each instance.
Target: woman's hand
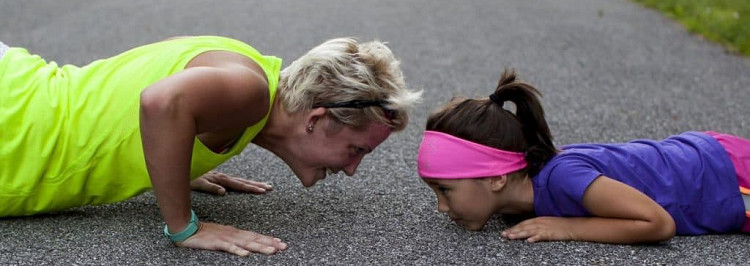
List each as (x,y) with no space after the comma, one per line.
(218,183)
(212,236)
(541,229)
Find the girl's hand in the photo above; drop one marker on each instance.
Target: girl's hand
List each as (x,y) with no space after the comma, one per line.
(211,236)
(620,215)
(217,183)
(541,229)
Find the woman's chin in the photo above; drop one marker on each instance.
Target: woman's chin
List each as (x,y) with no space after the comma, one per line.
(309,181)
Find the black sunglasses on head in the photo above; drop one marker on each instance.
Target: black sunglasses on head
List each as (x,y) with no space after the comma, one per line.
(390,114)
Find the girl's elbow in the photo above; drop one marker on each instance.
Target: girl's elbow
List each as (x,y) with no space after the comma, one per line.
(664,229)
(668,232)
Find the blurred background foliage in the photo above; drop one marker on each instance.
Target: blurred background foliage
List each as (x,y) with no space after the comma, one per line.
(723,21)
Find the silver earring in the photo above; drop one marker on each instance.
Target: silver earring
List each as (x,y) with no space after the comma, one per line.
(310,128)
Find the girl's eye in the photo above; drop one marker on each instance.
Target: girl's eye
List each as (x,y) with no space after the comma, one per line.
(358,151)
(443,190)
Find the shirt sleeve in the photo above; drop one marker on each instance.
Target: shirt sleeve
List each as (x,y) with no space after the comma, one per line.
(567,183)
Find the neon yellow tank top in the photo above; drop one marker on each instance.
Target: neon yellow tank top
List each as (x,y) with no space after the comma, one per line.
(70,136)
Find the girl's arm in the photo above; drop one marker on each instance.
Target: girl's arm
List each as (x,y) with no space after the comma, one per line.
(176,109)
(623,215)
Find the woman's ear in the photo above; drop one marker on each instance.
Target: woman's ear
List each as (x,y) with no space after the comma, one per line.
(313,117)
(497,183)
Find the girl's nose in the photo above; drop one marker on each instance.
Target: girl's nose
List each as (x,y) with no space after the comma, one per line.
(442,206)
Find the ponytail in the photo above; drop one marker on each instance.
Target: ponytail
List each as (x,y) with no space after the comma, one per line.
(530,114)
(486,122)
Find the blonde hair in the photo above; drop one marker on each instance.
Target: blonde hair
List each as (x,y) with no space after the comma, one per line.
(342,70)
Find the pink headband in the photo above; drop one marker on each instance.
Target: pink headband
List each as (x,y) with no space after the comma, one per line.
(447,157)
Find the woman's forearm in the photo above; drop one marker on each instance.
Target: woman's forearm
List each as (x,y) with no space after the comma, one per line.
(168,133)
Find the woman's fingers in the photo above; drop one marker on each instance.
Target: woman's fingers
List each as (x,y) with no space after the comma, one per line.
(236,250)
(213,236)
(218,183)
(259,247)
(263,185)
(205,185)
(244,185)
(259,243)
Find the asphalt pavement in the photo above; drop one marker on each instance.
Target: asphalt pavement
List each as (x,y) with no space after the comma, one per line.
(610,70)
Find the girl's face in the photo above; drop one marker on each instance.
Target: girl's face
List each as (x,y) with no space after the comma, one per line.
(468,202)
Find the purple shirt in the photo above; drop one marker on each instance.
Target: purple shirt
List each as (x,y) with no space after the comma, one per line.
(690,175)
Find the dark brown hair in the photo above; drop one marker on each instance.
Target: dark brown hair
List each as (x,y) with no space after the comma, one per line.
(486,122)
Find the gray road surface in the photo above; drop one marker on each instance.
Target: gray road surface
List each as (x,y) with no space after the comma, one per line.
(610,71)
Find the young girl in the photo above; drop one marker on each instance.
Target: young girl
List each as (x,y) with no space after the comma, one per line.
(481,159)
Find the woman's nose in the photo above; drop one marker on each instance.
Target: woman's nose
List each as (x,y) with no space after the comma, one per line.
(352,167)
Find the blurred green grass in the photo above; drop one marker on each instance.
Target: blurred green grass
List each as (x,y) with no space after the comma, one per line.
(723,21)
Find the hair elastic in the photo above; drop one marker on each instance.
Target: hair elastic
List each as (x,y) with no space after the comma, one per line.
(496,99)
(444,156)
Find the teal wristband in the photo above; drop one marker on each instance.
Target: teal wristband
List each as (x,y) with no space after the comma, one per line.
(189,231)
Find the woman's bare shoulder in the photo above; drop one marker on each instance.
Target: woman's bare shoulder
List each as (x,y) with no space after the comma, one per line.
(177,37)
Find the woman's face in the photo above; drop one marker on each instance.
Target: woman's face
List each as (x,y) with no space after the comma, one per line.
(341,149)
(468,202)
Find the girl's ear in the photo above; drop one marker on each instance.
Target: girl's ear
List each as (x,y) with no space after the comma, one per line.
(497,183)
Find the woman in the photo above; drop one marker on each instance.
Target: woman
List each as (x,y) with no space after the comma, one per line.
(166,113)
